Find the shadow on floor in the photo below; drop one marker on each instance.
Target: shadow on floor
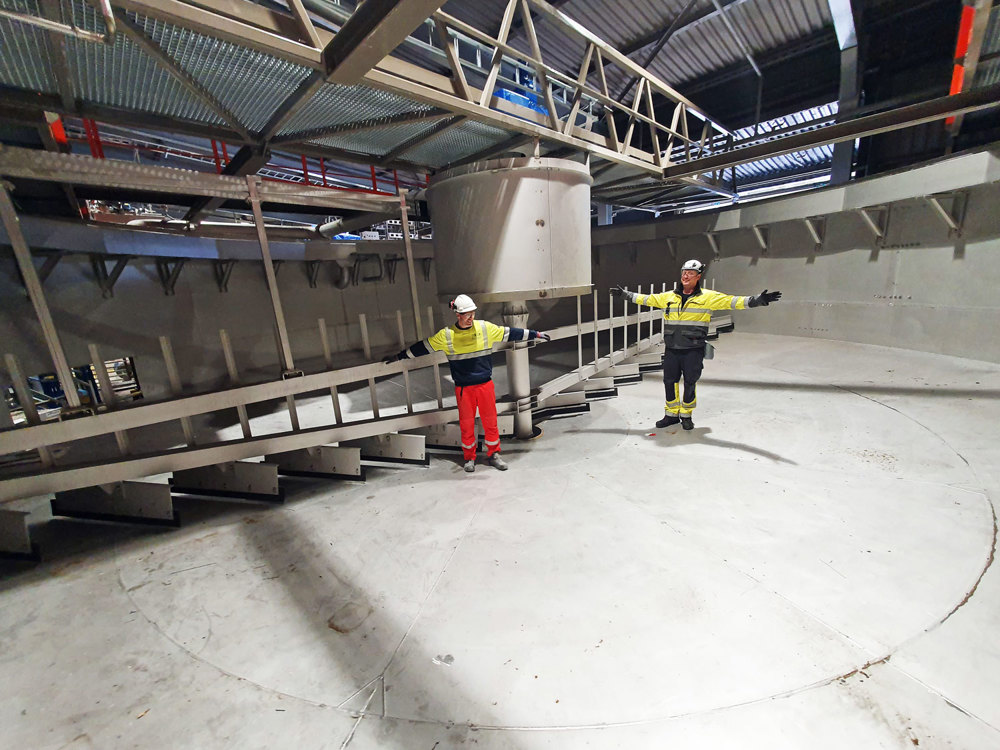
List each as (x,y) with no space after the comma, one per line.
(687,437)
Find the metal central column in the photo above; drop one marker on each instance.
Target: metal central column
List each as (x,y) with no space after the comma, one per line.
(518,379)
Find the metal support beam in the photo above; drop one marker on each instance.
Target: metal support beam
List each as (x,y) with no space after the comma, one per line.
(713,241)
(408,245)
(34,288)
(973,48)
(106,279)
(285,350)
(248,160)
(374,30)
(816,226)
(223,269)
(85,170)
(52,10)
(850,86)
(762,235)
(985,97)
(49,265)
(879,224)
(309,34)
(169,273)
(953,217)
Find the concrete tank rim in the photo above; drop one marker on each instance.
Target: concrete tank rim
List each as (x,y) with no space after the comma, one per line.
(512,164)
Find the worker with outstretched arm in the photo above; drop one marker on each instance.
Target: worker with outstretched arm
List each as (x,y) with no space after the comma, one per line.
(687,312)
(468,345)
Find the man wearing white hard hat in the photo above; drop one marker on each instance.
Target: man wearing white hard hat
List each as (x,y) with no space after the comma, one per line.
(687,312)
(468,345)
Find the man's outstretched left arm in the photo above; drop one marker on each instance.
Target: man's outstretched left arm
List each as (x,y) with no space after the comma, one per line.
(763,299)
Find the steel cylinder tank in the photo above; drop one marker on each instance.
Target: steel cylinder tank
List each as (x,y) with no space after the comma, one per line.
(512,229)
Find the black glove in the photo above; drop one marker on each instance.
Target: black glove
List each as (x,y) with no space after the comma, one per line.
(764,299)
(620,291)
(390,359)
(543,336)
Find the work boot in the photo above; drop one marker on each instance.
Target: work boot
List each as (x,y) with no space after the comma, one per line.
(470,465)
(498,463)
(667,421)
(687,423)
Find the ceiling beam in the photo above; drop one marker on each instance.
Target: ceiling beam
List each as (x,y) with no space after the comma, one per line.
(695,19)
(305,23)
(915,114)
(374,30)
(248,160)
(269,36)
(38,102)
(57,49)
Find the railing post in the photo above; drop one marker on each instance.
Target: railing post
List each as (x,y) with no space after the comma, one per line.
(406,373)
(174,377)
(328,358)
(234,380)
(366,346)
(437,371)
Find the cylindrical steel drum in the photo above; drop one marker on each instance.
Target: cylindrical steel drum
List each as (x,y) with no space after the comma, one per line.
(512,229)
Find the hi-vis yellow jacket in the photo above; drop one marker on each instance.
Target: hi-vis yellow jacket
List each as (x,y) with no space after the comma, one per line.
(686,323)
(469,349)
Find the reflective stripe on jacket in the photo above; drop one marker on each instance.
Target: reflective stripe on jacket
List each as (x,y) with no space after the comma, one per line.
(469,350)
(686,325)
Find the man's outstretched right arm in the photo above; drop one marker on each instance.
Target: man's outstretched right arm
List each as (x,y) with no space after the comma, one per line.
(436,343)
(419,349)
(638,298)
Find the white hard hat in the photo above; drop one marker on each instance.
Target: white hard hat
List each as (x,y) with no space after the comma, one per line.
(693,265)
(462,304)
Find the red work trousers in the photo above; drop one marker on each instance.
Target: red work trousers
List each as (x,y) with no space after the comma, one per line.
(483,397)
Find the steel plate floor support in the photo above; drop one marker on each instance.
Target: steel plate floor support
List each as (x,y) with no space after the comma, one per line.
(324,461)
(240,480)
(146,503)
(392,448)
(15,542)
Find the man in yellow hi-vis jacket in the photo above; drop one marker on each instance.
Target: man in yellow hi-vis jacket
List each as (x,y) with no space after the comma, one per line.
(468,345)
(686,316)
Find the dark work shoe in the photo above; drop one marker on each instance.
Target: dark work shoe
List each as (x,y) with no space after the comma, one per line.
(687,423)
(470,465)
(498,463)
(667,421)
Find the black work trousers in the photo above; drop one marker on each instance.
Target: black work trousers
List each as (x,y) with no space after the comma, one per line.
(678,362)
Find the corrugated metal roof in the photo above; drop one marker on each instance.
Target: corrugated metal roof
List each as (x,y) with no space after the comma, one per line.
(250,84)
(335,105)
(21,44)
(377,141)
(457,143)
(122,75)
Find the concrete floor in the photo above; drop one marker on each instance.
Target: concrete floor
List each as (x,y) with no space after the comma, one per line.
(809,568)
